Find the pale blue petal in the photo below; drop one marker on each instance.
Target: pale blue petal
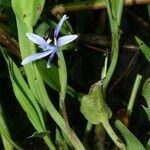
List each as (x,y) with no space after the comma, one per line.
(37,40)
(48,47)
(58,27)
(51,57)
(66,39)
(36,56)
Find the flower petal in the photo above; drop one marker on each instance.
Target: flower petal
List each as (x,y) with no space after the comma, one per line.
(51,57)
(66,39)
(46,48)
(58,27)
(37,40)
(36,56)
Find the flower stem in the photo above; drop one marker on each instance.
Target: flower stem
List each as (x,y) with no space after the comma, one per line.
(63,83)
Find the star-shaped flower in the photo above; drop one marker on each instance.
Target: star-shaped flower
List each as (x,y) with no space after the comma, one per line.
(48,49)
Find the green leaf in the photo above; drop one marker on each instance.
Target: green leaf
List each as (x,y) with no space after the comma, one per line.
(28,10)
(50,76)
(144,48)
(96,111)
(117,7)
(147,110)
(41,29)
(23,93)
(33,77)
(26,99)
(146,92)
(148,145)
(8,143)
(132,142)
(93,106)
(40,134)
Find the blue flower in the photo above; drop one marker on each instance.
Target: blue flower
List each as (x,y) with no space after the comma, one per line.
(48,49)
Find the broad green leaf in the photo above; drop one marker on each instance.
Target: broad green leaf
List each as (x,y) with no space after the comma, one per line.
(147,110)
(117,8)
(96,111)
(33,77)
(93,106)
(144,48)
(32,115)
(22,91)
(132,142)
(28,10)
(26,99)
(50,76)
(27,13)
(146,92)
(27,107)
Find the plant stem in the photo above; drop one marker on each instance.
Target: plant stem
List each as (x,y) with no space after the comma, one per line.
(104,69)
(133,94)
(115,50)
(63,83)
(115,43)
(113,135)
(49,143)
(35,81)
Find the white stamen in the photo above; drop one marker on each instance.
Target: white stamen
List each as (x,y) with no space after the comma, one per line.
(48,40)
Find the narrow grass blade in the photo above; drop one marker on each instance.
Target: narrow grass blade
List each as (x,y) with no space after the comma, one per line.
(131,141)
(26,99)
(144,48)
(8,143)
